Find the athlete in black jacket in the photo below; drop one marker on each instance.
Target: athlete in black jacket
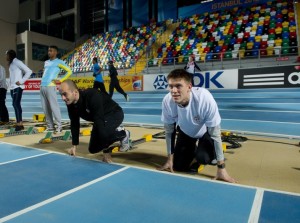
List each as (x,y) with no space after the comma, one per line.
(114,82)
(95,106)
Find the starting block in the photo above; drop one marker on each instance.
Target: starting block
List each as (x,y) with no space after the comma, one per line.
(67,136)
(116,147)
(39,118)
(49,138)
(12,132)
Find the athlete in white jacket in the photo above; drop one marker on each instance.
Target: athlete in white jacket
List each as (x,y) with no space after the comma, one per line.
(18,74)
(194,113)
(4,117)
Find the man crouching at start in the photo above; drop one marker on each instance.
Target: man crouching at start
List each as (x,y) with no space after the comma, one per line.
(97,107)
(194,114)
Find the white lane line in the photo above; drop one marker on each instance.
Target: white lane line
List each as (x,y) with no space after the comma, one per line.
(257,110)
(31,208)
(262,121)
(256,207)
(25,158)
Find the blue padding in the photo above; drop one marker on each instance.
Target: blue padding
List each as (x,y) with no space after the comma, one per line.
(278,207)
(31,181)
(143,196)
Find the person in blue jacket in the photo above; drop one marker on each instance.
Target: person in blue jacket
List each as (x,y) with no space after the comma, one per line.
(51,77)
(98,82)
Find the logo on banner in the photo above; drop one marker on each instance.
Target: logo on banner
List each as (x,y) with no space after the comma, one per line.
(206,80)
(284,76)
(160,82)
(294,78)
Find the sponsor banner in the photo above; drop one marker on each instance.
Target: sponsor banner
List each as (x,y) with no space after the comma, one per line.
(32,85)
(227,79)
(153,82)
(212,6)
(269,77)
(128,83)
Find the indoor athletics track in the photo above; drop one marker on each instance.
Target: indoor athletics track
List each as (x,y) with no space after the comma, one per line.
(40,186)
(273,112)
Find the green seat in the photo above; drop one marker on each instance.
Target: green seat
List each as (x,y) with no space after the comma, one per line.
(228,55)
(186,59)
(285,51)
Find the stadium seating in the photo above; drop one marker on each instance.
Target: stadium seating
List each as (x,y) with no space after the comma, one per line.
(262,30)
(124,48)
(244,32)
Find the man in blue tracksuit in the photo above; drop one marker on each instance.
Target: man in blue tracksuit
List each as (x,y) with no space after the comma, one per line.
(98,82)
(50,79)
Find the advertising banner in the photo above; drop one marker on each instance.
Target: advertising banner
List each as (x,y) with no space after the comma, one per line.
(128,83)
(227,79)
(269,77)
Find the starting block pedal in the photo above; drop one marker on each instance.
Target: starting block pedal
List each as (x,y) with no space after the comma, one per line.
(85,132)
(12,132)
(116,147)
(49,138)
(39,117)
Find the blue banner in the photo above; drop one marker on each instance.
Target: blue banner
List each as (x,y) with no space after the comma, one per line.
(167,9)
(201,8)
(140,12)
(115,15)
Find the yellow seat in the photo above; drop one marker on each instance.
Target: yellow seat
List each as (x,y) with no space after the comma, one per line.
(242,53)
(270,50)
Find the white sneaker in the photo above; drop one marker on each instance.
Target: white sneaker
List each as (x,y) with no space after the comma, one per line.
(120,128)
(126,142)
(214,162)
(127,97)
(57,131)
(49,130)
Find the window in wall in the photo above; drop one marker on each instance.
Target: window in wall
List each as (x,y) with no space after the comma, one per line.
(21,51)
(57,6)
(62,28)
(39,52)
(39,10)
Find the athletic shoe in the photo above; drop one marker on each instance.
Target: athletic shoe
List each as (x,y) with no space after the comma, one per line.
(49,130)
(19,128)
(57,131)
(126,142)
(127,97)
(120,128)
(214,162)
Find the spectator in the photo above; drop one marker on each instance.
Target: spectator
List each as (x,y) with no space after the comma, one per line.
(191,66)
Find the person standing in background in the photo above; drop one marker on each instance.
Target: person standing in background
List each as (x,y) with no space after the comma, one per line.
(52,69)
(191,66)
(4,117)
(98,82)
(18,74)
(114,82)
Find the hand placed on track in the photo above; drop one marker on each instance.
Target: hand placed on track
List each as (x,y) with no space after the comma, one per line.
(168,166)
(72,151)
